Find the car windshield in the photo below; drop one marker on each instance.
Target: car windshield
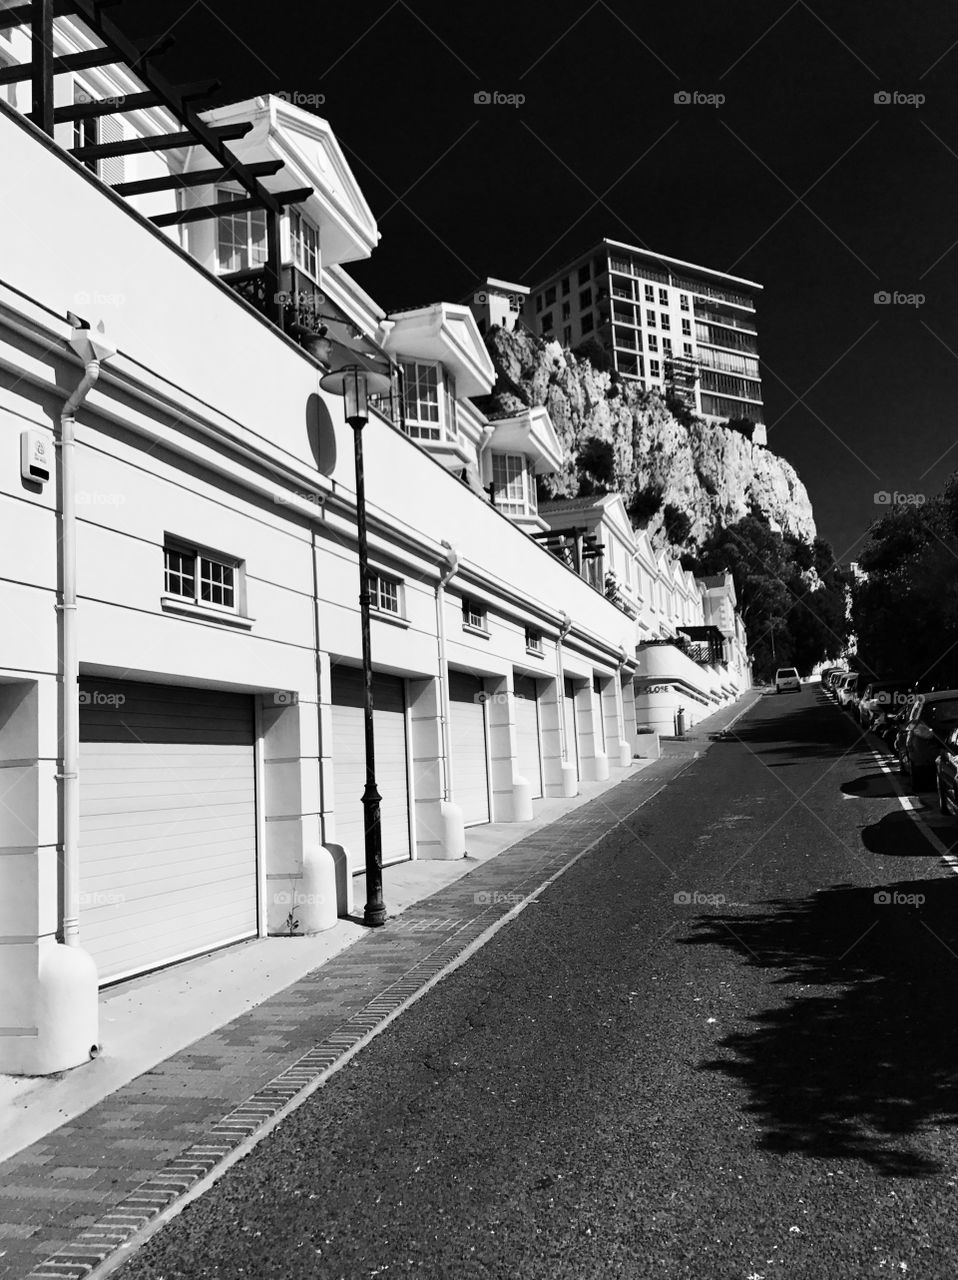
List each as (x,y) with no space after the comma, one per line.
(787,673)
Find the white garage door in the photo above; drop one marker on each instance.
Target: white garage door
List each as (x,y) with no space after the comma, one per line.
(167,823)
(571,729)
(528,751)
(467,734)
(349,764)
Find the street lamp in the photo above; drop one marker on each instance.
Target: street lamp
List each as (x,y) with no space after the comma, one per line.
(355,382)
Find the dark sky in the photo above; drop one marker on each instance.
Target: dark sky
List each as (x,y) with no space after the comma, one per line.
(798,180)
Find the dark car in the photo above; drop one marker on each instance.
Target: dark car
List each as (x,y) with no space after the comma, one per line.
(930,721)
(946,768)
(880,699)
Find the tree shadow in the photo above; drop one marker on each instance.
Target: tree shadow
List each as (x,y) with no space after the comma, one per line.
(898,835)
(872,786)
(866,1062)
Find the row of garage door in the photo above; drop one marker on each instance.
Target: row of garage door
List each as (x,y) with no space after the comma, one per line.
(168,821)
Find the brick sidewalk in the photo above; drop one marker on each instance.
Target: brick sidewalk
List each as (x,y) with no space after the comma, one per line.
(71,1199)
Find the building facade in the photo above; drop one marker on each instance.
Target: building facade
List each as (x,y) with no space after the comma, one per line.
(180,693)
(673,327)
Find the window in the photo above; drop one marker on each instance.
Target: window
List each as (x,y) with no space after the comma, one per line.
(538,302)
(452,412)
(653,342)
(84,131)
(686,348)
(241,237)
(684,301)
(473,614)
(533,640)
(663,297)
(687,327)
(584,274)
(566,310)
(585,299)
(567,336)
(514,484)
(649,293)
(546,322)
(666,321)
(667,346)
(588,323)
(386,594)
(200,577)
(550,296)
(654,369)
(304,241)
(421,399)
(565,285)
(650,318)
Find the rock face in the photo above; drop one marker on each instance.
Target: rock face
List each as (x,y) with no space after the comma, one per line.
(713,474)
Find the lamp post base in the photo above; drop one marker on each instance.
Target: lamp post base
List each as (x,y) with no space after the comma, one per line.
(374,914)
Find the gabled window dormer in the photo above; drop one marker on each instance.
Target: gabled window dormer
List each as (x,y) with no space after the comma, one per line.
(514,484)
(429,400)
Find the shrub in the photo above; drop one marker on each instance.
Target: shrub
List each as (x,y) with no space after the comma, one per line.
(645,502)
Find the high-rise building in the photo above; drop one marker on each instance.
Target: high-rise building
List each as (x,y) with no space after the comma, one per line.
(675,328)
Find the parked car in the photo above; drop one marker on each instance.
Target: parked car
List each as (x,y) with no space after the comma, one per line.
(787,679)
(845,688)
(833,678)
(946,770)
(880,698)
(826,672)
(930,721)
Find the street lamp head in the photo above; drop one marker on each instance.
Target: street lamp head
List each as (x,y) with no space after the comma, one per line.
(355,383)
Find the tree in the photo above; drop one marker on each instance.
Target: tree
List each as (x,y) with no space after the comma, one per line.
(677,524)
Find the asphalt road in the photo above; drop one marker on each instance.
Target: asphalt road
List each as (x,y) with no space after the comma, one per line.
(707,1051)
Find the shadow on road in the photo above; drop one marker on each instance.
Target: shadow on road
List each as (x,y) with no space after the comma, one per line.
(805,732)
(861,1060)
(898,835)
(873,786)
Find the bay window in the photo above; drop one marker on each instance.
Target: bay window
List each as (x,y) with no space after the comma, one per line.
(514,483)
(241,237)
(304,244)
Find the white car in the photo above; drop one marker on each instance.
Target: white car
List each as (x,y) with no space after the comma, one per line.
(787,678)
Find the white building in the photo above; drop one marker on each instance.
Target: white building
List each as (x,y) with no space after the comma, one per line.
(207,507)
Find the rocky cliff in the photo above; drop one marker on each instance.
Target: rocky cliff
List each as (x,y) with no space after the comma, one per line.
(713,474)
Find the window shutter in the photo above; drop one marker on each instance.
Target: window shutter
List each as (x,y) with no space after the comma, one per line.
(112,168)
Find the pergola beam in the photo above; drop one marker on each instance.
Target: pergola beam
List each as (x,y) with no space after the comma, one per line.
(158,142)
(194,178)
(223,208)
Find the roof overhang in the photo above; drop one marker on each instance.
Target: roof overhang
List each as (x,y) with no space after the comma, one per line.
(312,157)
(445,332)
(530,433)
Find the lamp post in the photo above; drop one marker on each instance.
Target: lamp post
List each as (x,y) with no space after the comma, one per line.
(354,382)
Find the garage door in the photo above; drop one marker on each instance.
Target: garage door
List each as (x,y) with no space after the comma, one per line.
(349,764)
(467,734)
(571,730)
(529,754)
(167,823)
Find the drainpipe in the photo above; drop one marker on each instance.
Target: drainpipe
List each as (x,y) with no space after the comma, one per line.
(451,559)
(92,348)
(625,748)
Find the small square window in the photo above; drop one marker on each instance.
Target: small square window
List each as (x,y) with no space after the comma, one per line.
(654,369)
(667,346)
(550,296)
(653,342)
(687,348)
(566,283)
(684,301)
(650,319)
(663,297)
(533,640)
(584,274)
(585,299)
(649,293)
(200,578)
(566,310)
(666,321)
(687,327)
(386,594)
(473,614)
